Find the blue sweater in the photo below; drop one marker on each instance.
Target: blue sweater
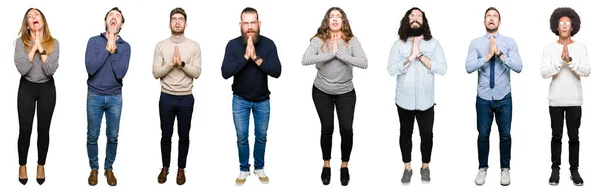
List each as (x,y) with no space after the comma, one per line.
(250,80)
(105,70)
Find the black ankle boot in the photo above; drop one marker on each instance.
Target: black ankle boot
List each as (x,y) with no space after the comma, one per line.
(344,176)
(326,175)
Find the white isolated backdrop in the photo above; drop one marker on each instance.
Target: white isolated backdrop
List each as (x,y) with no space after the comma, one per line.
(293,158)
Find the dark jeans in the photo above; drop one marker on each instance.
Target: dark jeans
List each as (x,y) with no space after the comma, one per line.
(573,118)
(44,94)
(425,122)
(171,107)
(344,104)
(486,110)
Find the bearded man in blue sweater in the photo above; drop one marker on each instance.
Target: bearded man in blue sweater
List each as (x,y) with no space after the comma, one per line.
(106,61)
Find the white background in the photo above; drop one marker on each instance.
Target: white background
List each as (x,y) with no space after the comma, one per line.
(293,158)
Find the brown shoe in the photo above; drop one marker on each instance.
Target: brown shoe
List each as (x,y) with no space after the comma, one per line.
(110,178)
(93,179)
(180,176)
(162,177)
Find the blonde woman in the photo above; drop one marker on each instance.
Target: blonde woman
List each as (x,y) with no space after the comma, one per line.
(36,58)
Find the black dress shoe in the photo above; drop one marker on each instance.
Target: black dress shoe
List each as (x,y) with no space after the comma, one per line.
(23,181)
(344,176)
(326,175)
(40,180)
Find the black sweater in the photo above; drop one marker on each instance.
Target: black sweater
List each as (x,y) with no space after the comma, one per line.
(249,80)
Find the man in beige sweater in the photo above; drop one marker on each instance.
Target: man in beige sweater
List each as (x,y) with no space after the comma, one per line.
(176,63)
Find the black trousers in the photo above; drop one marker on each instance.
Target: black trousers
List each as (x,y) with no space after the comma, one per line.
(171,107)
(573,118)
(344,104)
(425,122)
(30,95)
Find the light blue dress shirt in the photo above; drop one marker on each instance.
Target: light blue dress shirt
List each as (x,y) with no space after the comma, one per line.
(415,84)
(476,60)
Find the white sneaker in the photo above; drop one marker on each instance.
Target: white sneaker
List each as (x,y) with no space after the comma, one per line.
(505,177)
(242,178)
(480,179)
(262,176)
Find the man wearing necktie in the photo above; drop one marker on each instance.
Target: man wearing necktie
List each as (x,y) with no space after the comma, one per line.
(493,56)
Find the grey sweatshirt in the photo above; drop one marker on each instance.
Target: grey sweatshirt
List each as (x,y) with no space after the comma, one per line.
(334,75)
(35,71)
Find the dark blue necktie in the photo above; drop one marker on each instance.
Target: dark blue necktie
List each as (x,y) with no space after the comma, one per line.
(492,71)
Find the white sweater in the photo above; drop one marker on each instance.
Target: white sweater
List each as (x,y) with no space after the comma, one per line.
(565,88)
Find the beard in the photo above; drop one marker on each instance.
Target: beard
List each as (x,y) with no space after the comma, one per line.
(491,30)
(255,38)
(414,32)
(107,30)
(177,33)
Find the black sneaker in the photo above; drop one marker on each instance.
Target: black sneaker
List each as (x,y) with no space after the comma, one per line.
(344,176)
(554,177)
(326,175)
(576,178)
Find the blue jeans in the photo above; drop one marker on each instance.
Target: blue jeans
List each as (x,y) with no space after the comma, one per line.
(241,118)
(485,115)
(97,106)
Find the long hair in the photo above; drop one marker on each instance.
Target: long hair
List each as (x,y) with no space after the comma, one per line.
(324,33)
(25,33)
(568,12)
(405,26)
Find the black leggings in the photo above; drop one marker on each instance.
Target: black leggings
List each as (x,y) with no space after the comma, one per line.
(44,94)
(344,104)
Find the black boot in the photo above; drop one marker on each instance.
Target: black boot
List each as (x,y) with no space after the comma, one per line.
(326,175)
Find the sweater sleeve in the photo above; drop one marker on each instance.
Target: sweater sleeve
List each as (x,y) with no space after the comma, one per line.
(159,69)
(353,55)
(95,56)
(22,60)
(311,55)
(121,63)
(232,64)
(548,68)
(582,66)
(271,64)
(51,64)
(195,66)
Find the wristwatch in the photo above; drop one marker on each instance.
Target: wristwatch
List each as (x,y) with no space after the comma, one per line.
(182,64)
(569,60)
(500,54)
(43,52)
(419,56)
(256,59)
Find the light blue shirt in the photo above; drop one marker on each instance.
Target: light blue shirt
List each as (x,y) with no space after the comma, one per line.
(415,83)
(476,60)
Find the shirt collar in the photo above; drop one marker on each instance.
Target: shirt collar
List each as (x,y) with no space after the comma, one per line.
(487,35)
